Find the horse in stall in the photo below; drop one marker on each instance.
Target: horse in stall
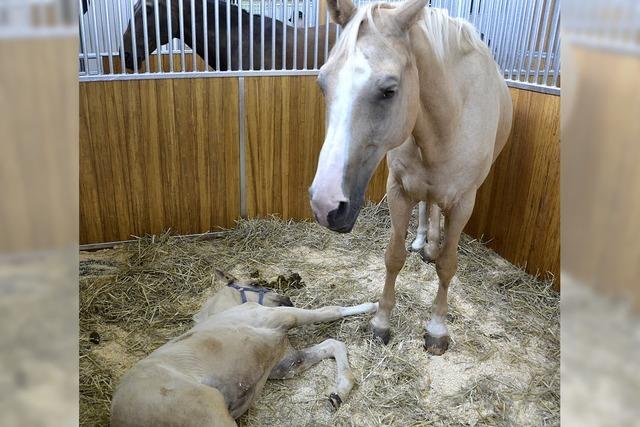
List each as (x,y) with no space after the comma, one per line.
(228,32)
(413,83)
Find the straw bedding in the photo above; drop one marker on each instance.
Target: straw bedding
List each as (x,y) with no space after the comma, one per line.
(502,367)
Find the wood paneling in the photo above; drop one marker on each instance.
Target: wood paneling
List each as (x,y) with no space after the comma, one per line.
(38,131)
(157,155)
(518,207)
(285,127)
(160,154)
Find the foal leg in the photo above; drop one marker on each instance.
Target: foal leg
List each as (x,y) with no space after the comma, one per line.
(297,361)
(431,250)
(421,233)
(400,207)
(290,317)
(436,339)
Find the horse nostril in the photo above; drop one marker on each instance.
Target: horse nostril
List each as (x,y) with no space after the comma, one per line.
(337,215)
(342,208)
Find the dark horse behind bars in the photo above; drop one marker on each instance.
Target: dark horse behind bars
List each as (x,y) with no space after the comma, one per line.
(228,59)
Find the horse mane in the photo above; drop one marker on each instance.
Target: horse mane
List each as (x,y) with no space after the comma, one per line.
(435,23)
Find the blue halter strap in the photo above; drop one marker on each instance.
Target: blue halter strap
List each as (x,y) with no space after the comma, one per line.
(243,296)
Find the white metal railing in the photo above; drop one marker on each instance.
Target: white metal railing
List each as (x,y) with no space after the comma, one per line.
(523,35)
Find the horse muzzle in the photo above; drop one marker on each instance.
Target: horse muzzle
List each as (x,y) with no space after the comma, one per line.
(340,216)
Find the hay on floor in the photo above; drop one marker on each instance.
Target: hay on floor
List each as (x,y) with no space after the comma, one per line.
(502,367)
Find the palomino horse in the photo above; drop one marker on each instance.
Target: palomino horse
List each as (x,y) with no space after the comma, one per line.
(413,83)
(210,375)
(229,36)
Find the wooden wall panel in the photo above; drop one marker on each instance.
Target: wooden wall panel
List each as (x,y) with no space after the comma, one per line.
(158,154)
(285,127)
(518,207)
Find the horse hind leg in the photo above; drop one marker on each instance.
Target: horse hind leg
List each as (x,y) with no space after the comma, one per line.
(432,248)
(436,338)
(421,234)
(297,361)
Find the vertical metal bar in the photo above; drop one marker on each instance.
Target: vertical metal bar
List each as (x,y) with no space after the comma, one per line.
(513,47)
(543,39)
(194,37)
(273,34)
(121,34)
(183,59)
(284,34)
(315,42)
(107,24)
(96,44)
(295,35)
(306,33)
(497,31)
(216,13)
(156,16)
(481,17)
(526,29)
(507,36)
(242,148)
(205,35)
(170,33)
(551,51)
(228,15)
(251,34)
(145,26)
(83,38)
(134,43)
(262,34)
(490,24)
(534,40)
(327,27)
(240,66)
(556,67)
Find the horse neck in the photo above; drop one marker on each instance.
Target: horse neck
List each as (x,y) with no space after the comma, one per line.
(441,95)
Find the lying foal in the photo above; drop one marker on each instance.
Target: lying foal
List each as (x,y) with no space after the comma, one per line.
(211,374)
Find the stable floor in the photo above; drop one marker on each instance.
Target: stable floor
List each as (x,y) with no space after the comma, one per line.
(502,367)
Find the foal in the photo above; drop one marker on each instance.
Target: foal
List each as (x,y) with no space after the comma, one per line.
(409,81)
(209,375)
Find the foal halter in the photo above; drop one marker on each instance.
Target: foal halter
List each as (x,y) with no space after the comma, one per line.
(243,296)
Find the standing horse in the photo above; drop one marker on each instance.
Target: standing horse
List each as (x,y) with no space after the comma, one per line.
(413,83)
(229,36)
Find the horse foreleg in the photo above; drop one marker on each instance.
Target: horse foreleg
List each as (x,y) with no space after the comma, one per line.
(436,339)
(297,361)
(400,207)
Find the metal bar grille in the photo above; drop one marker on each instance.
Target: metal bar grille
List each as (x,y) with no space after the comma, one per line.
(523,36)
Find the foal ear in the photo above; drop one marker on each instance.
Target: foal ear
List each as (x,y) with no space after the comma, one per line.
(341,11)
(408,12)
(225,277)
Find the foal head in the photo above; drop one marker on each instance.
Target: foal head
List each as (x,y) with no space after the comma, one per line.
(145,10)
(370,85)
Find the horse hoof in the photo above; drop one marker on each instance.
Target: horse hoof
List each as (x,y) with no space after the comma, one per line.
(335,400)
(426,258)
(382,335)
(436,345)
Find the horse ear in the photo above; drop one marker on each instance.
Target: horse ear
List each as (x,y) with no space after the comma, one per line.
(408,12)
(341,11)
(225,277)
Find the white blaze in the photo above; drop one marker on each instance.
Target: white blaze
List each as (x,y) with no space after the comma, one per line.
(327,185)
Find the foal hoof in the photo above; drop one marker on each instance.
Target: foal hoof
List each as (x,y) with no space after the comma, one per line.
(335,400)
(382,335)
(436,345)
